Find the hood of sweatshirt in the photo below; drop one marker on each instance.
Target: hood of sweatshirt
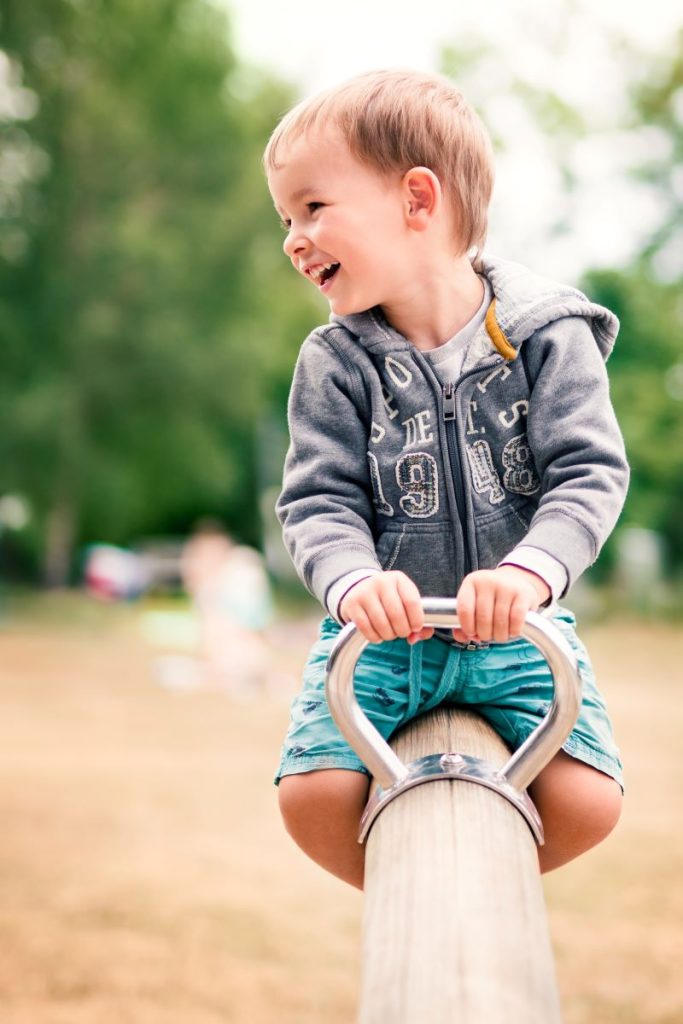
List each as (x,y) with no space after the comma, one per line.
(523,303)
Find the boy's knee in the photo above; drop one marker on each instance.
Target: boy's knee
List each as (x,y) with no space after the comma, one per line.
(322,801)
(608,806)
(601,804)
(579,807)
(599,817)
(321,811)
(293,797)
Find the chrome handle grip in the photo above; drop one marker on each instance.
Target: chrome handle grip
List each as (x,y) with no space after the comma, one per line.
(525,763)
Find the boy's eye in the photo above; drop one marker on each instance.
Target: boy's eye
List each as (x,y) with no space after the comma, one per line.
(311,207)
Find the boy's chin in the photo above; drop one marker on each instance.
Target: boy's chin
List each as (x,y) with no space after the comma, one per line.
(346,308)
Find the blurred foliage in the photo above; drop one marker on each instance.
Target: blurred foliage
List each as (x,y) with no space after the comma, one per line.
(646,369)
(647,391)
(147,318)
(657,103)
(148,322)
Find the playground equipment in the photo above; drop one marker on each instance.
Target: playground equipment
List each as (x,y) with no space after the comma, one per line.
(454,927)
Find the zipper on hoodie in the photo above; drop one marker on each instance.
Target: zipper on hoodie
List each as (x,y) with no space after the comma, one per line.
(449,413)
(455,459)
(448,391)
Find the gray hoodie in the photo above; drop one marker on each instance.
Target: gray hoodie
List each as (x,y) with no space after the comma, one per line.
(388,468)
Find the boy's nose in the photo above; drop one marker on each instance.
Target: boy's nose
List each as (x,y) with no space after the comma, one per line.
(294,244)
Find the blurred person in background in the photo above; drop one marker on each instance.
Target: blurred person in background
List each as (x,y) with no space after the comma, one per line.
(229,588)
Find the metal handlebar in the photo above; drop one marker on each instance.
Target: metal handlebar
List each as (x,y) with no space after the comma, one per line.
(523,766)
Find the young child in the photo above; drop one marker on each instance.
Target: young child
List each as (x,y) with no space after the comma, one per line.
(451,433)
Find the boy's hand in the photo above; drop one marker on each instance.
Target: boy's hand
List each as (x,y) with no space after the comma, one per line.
(492,603)
(384,607)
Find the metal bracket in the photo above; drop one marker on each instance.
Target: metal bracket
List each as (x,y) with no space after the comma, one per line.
(451,766)
(394,777)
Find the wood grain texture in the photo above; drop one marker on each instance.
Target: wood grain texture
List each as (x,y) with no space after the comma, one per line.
(455,923)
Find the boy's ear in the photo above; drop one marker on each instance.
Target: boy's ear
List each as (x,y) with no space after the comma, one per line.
(422,197)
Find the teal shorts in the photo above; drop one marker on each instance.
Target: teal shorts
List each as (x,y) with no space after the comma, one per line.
(508,684)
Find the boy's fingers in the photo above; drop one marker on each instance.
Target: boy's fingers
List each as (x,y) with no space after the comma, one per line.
(517,615)
(484,612)
(423,634)
(466,604)
(412,603)
(500,620)
(379,620)
(395,613)
(388,607)
(464,638)
(365,627)
(366,612)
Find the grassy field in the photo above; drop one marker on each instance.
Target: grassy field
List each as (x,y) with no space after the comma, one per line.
(145,877)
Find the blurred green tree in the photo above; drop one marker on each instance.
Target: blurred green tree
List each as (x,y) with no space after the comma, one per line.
(148,322)
(646,292)
(647,366)
(656,102)
(646,375)
(147,317)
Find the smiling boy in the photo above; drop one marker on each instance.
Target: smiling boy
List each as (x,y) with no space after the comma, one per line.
(451,433)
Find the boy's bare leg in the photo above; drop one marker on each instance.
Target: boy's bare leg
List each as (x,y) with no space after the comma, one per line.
(579,806)
(322,812)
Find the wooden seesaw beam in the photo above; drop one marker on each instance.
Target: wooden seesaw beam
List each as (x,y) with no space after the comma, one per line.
(455,927)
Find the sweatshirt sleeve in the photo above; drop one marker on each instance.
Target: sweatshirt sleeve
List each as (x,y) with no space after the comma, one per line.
(552,572)
(577,447)
(325,507)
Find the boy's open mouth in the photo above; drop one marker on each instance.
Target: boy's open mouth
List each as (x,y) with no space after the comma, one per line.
(327,275)
(321,275)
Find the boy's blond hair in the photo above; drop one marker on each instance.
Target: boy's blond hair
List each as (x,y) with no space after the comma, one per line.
(395,120)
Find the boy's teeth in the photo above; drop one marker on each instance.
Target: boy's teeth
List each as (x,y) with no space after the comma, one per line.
(318,272)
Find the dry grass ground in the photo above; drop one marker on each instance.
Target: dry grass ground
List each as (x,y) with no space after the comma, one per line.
(145,878)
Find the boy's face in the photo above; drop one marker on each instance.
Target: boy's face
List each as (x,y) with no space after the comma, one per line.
(345,222)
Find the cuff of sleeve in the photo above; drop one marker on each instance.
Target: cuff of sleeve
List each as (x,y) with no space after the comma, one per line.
(544,565)
(339,590)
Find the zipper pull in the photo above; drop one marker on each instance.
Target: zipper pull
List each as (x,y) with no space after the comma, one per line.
(449,401)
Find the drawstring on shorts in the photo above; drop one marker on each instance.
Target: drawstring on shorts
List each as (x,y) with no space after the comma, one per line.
(414,680)
(447,679)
